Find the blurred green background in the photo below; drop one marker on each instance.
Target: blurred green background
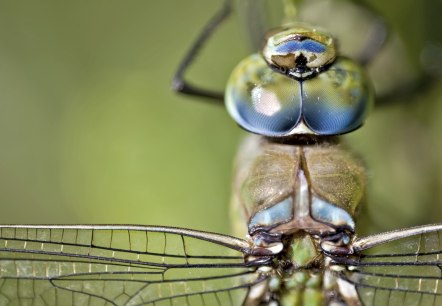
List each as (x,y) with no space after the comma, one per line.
(91,132)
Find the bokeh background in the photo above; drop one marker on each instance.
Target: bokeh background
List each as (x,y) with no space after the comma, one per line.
(90,131)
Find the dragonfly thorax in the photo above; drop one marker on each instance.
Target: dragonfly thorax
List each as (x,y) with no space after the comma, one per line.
(283,189)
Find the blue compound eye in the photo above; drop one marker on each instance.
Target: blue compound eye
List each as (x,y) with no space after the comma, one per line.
(261,100)
(338,100)
(269,103)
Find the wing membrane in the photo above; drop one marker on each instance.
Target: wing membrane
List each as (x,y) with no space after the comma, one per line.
(398,268)
(121,265)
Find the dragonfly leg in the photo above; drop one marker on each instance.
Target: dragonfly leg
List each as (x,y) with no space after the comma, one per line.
(378,36)
(179,84)
(408,90)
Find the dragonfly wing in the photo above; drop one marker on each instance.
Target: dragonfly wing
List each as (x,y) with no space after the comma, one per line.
(121,265)
(398,268)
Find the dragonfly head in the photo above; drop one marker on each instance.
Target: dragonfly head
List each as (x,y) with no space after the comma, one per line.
(298,85)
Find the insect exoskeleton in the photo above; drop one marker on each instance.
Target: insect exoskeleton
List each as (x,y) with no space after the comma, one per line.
(282,188)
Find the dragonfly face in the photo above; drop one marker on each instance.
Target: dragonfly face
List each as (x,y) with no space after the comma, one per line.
(298,86)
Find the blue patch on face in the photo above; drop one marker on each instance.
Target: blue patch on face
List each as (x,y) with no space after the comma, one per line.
(305,45)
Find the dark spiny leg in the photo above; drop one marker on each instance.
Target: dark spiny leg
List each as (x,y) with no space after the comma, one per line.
(377,39)
(378,36)
(179,83)
(408,91)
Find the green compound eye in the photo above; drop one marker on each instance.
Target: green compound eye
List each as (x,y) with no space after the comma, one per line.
(334,98)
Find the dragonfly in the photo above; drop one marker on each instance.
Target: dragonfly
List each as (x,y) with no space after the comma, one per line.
(297,193)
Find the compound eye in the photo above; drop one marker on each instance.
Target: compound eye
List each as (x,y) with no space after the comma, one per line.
(338,100)
(261,100)
(269,103)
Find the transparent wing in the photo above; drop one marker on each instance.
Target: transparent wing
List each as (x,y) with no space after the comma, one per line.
(398,268)
(121,265)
